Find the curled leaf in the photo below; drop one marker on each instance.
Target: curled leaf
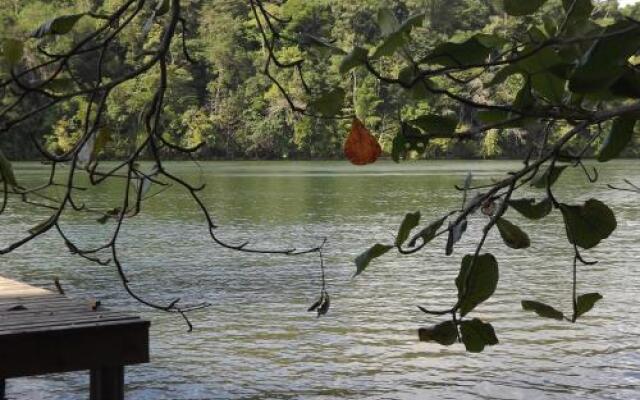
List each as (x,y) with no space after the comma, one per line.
(324,307)
(455,233)
(410,221)
(477,334)
(444,333)
(361,147)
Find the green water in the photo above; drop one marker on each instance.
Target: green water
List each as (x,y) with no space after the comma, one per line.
(257,341)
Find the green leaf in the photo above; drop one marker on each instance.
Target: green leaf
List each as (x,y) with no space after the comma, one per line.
(549,177)
(605,62)
(577,9)
(519,8)
(363,260)
(6,170)
(410,221)
(451,54)
(503,74)
(531,210)
(413,21)
(585,303)
(588,224)
(549,86)
(539,61)
(389,45)
(57,26)
(356,58)
(387,21)
(512,235)
(542,309)
(445,333)
(436,126)
(617,139)
(321,44)
(12,50)
(477,334)
(328,103)
(476,281)
(428,233)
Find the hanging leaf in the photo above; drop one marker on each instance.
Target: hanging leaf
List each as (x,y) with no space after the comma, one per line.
(444,333)
(44,226)
(363,260)
(324,307)
(588,224)
(361,147)
(476,335)
(542,309)
(585,302)
(549,177)
(455,234)
(356,58)
(428,233)
(519,8)
(328,103)
(12,50)
(57,26)
(476,281)
(6,171)
(410,221)
(617,139)
(436,126)
(530,209)
(512,235)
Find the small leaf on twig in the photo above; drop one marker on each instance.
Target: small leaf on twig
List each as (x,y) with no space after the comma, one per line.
(542,309)
(585,302)
(363,260)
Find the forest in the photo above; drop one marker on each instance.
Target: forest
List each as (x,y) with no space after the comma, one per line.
(224,101)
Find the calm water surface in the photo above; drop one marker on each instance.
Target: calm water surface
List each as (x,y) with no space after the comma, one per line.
(258,342)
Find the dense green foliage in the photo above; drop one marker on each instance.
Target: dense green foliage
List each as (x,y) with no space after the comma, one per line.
(226,101)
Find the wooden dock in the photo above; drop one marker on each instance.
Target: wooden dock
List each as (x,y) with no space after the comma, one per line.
(44,332)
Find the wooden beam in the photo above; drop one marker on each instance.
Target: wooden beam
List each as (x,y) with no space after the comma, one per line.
(107,383)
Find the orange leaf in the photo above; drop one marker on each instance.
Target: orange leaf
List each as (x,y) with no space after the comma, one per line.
(361,147)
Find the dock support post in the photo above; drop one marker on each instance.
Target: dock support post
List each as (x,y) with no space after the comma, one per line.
(107,383)
(2,388)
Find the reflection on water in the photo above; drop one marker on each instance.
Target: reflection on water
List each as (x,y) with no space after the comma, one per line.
(257,341)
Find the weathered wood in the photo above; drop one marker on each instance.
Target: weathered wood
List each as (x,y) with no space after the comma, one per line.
(45,332)
(107,383)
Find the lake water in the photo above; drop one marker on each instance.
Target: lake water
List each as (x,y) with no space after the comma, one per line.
(257,341)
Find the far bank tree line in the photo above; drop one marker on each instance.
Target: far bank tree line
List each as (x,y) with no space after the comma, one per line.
(226,102)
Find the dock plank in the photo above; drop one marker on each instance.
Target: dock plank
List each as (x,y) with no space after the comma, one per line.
(45,332)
